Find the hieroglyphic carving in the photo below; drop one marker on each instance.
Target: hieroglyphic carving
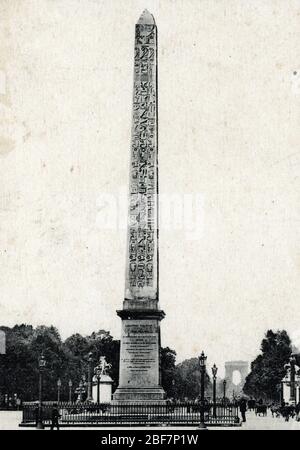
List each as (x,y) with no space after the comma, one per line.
(142,241)
(139,379)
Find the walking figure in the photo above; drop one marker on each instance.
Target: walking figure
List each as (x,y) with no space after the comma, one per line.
(243,409)
(55,417)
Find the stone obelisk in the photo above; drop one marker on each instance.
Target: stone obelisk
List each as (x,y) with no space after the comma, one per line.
(139,379)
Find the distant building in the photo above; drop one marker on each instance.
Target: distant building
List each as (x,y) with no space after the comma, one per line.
(242,367)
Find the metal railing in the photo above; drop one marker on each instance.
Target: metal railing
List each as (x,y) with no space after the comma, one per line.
(107,414)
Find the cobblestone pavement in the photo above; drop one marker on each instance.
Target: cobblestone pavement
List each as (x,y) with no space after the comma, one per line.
(9,420)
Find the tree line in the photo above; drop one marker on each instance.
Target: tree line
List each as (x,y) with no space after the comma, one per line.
(68,360)
(268,368)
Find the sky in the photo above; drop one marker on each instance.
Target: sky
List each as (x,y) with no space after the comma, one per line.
(229,113)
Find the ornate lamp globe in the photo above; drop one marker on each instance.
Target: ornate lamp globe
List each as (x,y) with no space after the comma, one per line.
(214,370)
(42,362)
(202,359)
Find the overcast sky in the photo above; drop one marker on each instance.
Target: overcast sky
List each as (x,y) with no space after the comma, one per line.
(229,113)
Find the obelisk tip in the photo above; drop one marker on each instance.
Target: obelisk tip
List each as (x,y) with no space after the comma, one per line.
(146,18)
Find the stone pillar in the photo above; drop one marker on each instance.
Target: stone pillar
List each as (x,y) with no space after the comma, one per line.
(139,379)
(286,390)
(292,380)
(105,388)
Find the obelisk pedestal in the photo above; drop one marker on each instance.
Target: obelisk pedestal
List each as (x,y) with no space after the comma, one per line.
(139,379)
(140,357)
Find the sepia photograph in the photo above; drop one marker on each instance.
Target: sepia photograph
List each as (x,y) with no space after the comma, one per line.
(149,218)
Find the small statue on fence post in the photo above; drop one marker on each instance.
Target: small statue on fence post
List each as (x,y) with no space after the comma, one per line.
(104,365)
(102,385)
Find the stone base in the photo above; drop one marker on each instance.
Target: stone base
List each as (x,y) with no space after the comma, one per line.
(139,395)
(139,380)
(105,389)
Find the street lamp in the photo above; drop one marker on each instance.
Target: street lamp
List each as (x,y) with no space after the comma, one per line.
(292,380)
(79,391)
(85,385)
(173,388)
(214,370)
(297,383)
(70,391)
(98,371)
(90,380)
(202,358)
(58,389)
(224,390)
(42,365)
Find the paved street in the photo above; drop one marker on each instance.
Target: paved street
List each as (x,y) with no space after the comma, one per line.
(9,420)
(268,423)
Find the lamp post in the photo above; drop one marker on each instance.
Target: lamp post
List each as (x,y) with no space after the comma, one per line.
(90,376)
(70,391)
(202,358)
(80,390)
(173,388)
(292,380)
(84,386)
(297,399)
(58,389)
(224,390)
(214,370)
(42,365)
(98,372)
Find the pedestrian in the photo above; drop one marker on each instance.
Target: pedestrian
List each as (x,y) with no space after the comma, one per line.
(243,409)
(55,417)
(18,402)
(285,412)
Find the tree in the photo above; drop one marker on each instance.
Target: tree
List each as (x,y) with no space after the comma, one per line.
(267,370)
(167,361)
(77,349)
(187,380)
(68,360)
(16,364)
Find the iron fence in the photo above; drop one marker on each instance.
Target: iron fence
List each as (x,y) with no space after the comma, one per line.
(107,414)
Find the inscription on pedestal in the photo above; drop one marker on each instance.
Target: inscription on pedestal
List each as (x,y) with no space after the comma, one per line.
(139,353)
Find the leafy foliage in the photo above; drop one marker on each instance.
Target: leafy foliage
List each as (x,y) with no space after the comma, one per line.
(66,360)
(267,370)
(187,380)
(168,359)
